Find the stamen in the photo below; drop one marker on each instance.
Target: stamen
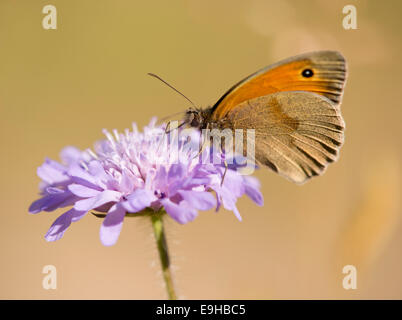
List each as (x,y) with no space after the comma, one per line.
(109,137)
(91,153)
(84,165)
(135,128)
(116,134)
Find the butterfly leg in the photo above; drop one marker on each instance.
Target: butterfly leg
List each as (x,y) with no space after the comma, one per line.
(167,130)
(203,143)
(224,173)
(201,149)
(178,127)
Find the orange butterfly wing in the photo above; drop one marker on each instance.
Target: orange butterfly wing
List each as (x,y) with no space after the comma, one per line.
(327,78)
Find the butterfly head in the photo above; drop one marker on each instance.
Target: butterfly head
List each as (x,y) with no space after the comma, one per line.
(194,118)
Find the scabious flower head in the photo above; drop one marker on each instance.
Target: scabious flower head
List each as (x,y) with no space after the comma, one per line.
(131,171)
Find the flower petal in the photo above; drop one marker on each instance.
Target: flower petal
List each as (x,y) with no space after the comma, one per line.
(139,200)
(234,182)
(228,199)
(96,169)
(112,224)
(78,215)
(70,155)
(83,191)
(52,201)
(53,190)
(94,202)
(199,200)
(83,177)
(252,190)
(181,212)
(237,213)
(127,182)
(57,229)
(176,171)
(160,180)
(52,172)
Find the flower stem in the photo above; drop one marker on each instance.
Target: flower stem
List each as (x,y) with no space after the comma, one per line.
(161,243)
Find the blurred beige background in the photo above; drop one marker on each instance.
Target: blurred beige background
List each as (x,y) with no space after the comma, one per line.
(61,87)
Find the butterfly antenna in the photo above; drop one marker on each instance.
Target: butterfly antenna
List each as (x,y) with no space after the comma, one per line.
(170,86)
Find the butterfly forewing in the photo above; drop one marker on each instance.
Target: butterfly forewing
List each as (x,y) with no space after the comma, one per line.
(321,72)
(297,133)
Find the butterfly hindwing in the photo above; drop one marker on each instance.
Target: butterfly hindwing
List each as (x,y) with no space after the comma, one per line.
(297,133)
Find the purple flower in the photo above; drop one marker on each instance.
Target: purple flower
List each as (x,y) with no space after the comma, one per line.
(127,173)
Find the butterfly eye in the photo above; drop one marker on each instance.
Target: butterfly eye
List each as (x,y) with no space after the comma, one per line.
(195,122)
(307,73)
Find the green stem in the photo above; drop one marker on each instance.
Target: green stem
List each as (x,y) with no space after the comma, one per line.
(157,225)
(161,243)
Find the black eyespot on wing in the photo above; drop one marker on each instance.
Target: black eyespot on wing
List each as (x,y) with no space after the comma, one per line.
(307,73)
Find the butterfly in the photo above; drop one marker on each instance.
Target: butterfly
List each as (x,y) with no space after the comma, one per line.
(294,108)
